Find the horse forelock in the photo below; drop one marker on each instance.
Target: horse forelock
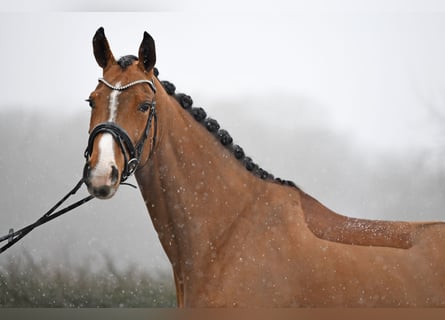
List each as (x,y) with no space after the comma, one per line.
(126,61)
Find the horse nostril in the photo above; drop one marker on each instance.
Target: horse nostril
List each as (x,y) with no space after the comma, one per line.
(114,175)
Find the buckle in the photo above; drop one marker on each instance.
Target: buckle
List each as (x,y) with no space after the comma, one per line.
(131,166)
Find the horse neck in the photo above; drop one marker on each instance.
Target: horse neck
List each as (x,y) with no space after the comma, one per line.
(193,187)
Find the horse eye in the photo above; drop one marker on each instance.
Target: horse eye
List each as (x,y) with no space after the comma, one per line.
(144,106)
(91,103)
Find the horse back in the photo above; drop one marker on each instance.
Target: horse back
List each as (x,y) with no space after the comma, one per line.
(328,225)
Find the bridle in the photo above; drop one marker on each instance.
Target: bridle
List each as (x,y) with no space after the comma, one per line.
(131,152)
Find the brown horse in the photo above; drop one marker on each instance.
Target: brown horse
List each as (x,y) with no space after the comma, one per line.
(234,234)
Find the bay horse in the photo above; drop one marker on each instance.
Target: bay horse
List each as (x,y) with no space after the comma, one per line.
(235,235)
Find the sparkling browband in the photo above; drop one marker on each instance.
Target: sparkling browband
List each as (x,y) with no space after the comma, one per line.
(122,88)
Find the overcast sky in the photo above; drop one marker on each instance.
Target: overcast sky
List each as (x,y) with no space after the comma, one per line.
(373,69)
(226,6)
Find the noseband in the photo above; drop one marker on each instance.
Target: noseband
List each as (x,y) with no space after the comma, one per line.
(131,152)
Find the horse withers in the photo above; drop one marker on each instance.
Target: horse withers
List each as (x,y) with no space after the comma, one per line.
(235,235)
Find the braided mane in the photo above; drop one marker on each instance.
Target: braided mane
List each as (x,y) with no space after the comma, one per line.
(222,135)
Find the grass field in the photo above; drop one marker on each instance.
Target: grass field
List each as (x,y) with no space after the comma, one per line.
(25,283)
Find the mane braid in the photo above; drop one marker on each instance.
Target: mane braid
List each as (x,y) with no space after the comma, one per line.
(222,135)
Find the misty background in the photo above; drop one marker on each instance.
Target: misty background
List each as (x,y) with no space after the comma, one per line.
(348,105)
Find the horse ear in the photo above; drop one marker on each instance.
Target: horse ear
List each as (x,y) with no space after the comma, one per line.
(147,52)
(102,51)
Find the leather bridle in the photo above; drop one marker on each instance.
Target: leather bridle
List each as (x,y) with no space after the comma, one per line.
(131,152)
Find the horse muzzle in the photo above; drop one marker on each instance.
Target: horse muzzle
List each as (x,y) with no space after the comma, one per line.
(102,182)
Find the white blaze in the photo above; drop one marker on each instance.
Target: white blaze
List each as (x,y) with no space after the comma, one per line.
(113,103)
(106,158)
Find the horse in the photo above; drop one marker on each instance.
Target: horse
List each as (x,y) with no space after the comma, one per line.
(235,235)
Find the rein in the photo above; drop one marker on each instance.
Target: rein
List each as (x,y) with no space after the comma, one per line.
(132,154)
(14,237)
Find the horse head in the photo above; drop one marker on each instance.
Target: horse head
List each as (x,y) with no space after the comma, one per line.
(122,113)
